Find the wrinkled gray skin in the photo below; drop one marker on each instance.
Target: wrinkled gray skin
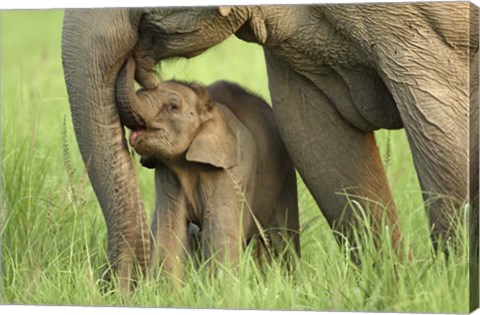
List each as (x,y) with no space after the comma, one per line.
(219,163)
(336,73)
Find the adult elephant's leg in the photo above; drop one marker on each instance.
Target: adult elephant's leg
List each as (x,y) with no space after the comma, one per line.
(473,178)
(430,86)
(95,43)
(331,155)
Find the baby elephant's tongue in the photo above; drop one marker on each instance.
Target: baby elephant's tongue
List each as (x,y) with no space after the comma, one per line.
(134,135)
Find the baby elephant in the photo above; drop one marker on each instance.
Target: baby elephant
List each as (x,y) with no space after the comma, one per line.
(219,163)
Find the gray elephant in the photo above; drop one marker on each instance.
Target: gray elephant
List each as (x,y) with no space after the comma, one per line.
(336,74)
(219,163)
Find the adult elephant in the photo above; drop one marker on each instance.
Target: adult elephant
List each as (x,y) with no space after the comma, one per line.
(336,74)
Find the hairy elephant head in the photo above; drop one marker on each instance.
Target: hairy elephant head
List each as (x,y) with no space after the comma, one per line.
(95,45)
(180,121)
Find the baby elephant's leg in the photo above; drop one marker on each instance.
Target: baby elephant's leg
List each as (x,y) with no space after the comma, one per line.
(169,226)
(221,239)
(194,241)
(170,245)
(284,228)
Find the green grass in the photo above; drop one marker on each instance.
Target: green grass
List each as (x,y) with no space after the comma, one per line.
(54,236)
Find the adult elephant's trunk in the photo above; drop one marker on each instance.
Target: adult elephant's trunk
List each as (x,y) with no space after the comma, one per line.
(95,44)
(128,103)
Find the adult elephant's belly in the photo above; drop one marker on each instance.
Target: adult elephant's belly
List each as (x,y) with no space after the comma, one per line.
(360,96)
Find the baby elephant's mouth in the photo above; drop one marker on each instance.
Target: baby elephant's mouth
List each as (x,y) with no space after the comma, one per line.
(135,134)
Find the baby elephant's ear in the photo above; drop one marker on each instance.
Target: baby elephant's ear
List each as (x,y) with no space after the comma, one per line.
(215,144)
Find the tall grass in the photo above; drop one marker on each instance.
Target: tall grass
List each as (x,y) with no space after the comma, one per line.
(54,236)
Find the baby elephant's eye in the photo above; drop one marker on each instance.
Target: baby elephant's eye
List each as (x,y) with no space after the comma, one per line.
(172,107)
